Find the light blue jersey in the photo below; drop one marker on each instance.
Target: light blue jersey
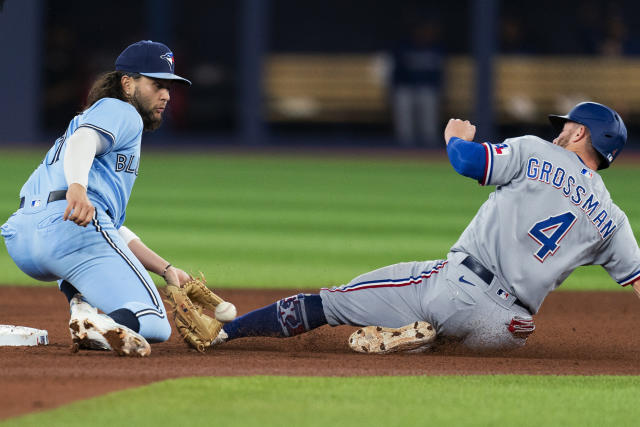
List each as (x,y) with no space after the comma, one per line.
(93,259)
(113,172)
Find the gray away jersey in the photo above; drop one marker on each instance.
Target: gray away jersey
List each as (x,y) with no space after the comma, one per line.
(548,215)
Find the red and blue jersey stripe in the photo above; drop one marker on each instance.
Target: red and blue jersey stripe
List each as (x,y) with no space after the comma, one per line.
(389,283)
(488,167)
(630,279)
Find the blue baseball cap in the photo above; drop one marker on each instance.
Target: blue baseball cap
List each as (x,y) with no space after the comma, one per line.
(150,59)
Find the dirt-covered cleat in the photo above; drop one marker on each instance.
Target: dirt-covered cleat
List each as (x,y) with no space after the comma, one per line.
(221,338)
(92,330)
(379,340)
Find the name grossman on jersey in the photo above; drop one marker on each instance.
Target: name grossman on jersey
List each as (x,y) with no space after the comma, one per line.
(545,172)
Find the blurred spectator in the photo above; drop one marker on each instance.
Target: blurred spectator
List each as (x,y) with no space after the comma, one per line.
(588,28)
(618,40)
(513,37)
(62,70)
(417,74)
(615,37)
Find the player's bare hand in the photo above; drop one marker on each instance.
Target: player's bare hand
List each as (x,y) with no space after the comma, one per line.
(175,276)
(636,287)
(79,208)
(460,129)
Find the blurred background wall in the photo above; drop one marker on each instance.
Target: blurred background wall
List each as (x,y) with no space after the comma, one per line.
(331,72)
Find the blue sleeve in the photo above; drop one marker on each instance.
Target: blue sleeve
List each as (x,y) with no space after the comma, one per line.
(117,120)
(468,158)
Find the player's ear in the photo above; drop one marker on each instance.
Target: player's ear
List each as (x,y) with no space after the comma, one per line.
(580,132)
(583,131)
(127,85)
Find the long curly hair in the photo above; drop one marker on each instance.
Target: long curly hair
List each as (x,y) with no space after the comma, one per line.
(108,85)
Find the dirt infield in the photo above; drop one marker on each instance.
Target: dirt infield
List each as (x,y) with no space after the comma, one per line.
(578,333)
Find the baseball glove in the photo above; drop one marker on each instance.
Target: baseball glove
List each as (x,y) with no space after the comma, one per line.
(188,302)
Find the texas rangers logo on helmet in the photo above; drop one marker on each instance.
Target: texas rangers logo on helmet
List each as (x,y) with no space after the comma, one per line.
(169,58)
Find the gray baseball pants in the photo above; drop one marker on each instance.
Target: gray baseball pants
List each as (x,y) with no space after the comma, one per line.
(445,293)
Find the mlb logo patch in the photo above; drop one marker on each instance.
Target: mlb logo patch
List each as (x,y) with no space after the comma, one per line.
(587,173)
(35,203)
(503,294)
(501,149)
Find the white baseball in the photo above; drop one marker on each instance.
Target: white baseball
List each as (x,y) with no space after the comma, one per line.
(226,312)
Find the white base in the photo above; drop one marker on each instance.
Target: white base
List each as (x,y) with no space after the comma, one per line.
(22,335)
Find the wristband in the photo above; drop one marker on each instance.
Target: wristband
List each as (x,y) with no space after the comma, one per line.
(164,272)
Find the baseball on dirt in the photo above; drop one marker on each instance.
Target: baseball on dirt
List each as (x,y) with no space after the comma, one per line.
(226,312)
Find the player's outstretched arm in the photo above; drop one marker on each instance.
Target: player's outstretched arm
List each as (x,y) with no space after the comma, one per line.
(151,260)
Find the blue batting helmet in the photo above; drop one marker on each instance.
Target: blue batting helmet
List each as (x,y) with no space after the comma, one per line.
(608,132)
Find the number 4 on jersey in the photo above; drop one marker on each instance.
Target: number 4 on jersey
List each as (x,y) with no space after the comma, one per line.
(549,232)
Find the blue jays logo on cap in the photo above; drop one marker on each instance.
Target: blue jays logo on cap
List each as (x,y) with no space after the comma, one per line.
(169,58)
(149,59)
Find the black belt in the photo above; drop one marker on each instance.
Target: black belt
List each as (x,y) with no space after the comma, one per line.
(480,270)
(54,196)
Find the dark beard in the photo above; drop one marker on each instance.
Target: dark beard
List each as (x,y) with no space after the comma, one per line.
(150,123)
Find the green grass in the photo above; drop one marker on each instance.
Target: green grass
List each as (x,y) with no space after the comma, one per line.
(305,222)
(360,401)
(298,221)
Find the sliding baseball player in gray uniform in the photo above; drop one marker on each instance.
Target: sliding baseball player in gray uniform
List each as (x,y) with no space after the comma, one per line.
(550,213)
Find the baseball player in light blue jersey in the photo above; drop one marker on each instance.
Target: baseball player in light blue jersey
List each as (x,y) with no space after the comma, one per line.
(549,214)
(69,225)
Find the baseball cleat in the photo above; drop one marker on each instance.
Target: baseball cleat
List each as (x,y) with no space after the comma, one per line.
(221,338)
(92,330)
(379,340)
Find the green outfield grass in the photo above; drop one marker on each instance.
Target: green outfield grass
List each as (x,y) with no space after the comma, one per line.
(359,401)
(301,221)
(305,222)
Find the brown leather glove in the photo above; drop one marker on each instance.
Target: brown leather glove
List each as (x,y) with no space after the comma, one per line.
(188,302)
